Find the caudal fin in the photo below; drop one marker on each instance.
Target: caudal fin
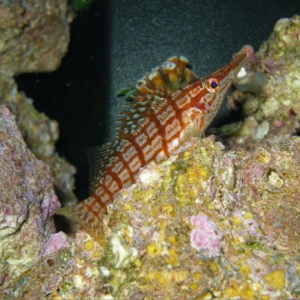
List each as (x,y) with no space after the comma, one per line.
(88,214)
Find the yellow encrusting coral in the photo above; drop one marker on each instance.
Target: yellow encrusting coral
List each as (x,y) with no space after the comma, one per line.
(167,277)
(172,239)
(239,290)
(276,279)
(248,215)
(89,245)
(173,258)
(154,249)
(236,220)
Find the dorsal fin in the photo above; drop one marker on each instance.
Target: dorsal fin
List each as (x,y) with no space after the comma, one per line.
(99,158)
(152,89)
(165,79)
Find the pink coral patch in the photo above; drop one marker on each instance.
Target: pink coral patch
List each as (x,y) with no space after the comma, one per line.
(55,242)
(206,236)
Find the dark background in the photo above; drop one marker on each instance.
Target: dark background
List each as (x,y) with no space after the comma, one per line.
(115,42)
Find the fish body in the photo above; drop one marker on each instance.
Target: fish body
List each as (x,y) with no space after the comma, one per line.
(150,131)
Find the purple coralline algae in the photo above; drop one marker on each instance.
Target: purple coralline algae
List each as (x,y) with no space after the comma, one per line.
(27,201)
(206,236)
(56,241)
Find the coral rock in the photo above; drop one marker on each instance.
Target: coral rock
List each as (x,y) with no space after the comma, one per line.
(205,236)
(34,36)
(238,199)
(271,85)
(209,214)
(27,202)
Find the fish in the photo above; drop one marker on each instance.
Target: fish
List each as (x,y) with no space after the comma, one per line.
(159,121)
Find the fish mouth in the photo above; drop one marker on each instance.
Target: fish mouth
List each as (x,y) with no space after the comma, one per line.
(231,70)
(238,63)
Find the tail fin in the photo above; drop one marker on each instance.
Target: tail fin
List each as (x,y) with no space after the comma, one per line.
(88,214)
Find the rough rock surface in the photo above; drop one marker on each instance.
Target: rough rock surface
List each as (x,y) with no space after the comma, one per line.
(269,95)
(34,36)
(244,207)
(202,224)
(27,202)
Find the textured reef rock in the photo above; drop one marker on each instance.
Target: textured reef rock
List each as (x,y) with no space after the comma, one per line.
(69,269)
(269,93)
(206,223)
(34,36)
(27,202)
(209,223)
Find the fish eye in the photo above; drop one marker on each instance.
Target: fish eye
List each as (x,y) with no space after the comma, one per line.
(212,85)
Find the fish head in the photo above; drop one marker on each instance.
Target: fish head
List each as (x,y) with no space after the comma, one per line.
(214,88)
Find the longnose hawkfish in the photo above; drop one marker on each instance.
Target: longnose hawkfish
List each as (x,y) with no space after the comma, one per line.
(159,121)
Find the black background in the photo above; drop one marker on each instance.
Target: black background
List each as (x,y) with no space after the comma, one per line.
(115,42)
